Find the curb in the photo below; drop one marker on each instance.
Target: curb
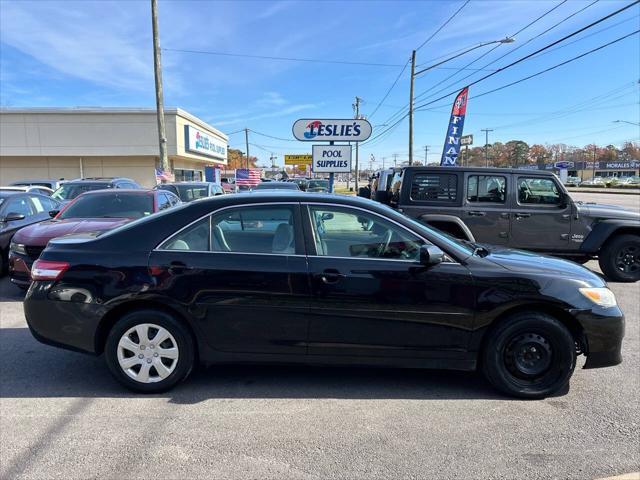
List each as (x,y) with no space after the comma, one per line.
(624,476)
(617,191)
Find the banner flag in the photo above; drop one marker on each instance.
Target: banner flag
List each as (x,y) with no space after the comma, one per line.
(454,131)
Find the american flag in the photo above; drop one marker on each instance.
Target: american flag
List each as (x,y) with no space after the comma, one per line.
(248,176)
(164,175)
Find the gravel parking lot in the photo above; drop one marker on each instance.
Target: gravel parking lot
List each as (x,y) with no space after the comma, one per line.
(62,416)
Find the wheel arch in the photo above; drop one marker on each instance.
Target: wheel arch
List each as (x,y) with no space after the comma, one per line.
(113,315)
(438,220)
(573,325)
(606,230)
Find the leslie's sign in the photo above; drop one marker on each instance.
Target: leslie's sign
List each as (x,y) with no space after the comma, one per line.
(197,141)
(314,130)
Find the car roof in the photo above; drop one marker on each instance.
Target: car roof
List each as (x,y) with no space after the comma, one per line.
(479,170)
(114,191)
(185,183)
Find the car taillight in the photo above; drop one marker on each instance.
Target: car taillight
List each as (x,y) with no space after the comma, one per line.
(48,270)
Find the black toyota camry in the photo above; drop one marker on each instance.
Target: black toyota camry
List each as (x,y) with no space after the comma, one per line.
(288,277)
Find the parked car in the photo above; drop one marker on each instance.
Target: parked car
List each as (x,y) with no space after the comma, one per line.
(18,210)
(317,186)
(71,189)
(572,182)
(33,188)
(629,181)
(301,182)
(523,209)
(335,279)
(39,182)
(593,182)
(275,186)
(228,185)
(189,191)
(94,211)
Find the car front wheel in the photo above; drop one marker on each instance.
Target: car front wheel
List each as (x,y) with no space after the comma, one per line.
(529,355)
(620,258)
(149,351)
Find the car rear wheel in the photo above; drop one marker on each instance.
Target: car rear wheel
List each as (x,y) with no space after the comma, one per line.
(620,258)
(149,351)
(529,355)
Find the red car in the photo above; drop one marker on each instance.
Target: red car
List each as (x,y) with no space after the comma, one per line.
(94,211)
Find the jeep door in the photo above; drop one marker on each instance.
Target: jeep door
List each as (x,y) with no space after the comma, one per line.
(540,215)
(486,208)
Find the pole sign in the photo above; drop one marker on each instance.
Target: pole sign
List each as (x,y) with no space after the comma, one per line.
(297,159)
(466,140)
(331,159)
(328,130)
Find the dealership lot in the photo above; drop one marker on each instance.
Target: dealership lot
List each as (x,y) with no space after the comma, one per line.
(63,416)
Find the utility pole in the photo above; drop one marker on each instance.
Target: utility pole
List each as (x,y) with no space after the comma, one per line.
(413,76)
(426,154)
(383,159)
(157,70)
(593,172)
(246,141)
(395,159)
(356,108)
(486,145)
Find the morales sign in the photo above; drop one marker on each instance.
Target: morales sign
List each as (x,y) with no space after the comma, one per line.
(454,132)
(202,143)
(331,159)
(314,130)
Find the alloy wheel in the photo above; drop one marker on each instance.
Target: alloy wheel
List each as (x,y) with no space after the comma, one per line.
(148,353)
(628,259)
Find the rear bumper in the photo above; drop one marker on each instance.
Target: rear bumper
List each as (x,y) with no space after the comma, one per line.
(62,323)
(603,331)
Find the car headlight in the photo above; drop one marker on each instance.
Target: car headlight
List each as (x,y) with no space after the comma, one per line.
(18,248)
(600,296)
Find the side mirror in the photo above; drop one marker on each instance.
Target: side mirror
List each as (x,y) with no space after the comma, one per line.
(12,216)
(53,213)
(431,255)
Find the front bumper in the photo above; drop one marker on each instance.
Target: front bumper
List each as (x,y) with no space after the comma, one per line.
(603,334)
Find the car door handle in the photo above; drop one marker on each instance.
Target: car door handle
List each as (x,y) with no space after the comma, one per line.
(176,268)
(521,215)
(475,213)
(330,276)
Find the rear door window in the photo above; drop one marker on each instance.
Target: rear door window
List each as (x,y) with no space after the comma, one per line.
(486,189)
(434,187)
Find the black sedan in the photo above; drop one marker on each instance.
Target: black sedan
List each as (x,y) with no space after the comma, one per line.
(323,279)
(17,210)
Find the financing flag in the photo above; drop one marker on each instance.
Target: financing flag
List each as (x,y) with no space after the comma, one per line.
(454,132)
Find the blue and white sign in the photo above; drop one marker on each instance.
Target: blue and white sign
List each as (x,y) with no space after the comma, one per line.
(331,159)
(563,165)
(202,143)
(319,130)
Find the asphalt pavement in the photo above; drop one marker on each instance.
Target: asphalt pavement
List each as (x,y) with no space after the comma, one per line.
(63,416)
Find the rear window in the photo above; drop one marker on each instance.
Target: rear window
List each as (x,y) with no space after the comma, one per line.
(188,193)
(117,205)
(433,187)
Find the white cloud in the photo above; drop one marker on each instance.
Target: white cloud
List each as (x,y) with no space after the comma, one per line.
(279,113)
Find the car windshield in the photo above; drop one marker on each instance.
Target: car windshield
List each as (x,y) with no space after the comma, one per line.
(187,193)
(112,205)
(318,184)
(69,191)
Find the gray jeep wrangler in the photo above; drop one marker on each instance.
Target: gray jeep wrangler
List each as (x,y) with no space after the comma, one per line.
(525,209)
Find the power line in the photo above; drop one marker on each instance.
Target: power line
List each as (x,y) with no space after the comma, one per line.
(546,47)
(443,25)
(390,88)
(287,59)
(271,136)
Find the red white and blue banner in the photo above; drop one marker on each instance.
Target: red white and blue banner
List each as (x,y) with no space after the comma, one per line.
(454,132)
(248,176)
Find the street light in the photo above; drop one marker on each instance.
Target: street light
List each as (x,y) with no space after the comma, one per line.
(625,121)
(414,74)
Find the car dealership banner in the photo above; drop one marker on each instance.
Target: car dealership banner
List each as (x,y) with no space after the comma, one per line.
(454,131)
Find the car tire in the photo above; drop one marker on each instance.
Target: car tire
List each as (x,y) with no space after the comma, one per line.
(529,355)
(619,259)
(142,365)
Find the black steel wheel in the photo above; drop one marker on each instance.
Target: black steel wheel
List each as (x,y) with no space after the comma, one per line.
(529,355)
(620,258)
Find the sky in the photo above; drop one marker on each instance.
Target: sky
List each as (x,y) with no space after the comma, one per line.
(99,53)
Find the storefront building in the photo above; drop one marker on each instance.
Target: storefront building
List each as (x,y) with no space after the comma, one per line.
(74,143)
(587,170)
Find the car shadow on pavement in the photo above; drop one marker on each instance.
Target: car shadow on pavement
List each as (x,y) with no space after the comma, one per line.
(33,370)
(9,292)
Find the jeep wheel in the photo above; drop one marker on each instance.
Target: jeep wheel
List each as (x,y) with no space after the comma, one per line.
(529,355)
(620,258)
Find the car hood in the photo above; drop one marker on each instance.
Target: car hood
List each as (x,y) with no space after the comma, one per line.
(597,210)
(40,233)
(533,263)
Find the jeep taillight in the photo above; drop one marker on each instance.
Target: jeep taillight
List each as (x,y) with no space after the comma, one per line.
(48,270)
